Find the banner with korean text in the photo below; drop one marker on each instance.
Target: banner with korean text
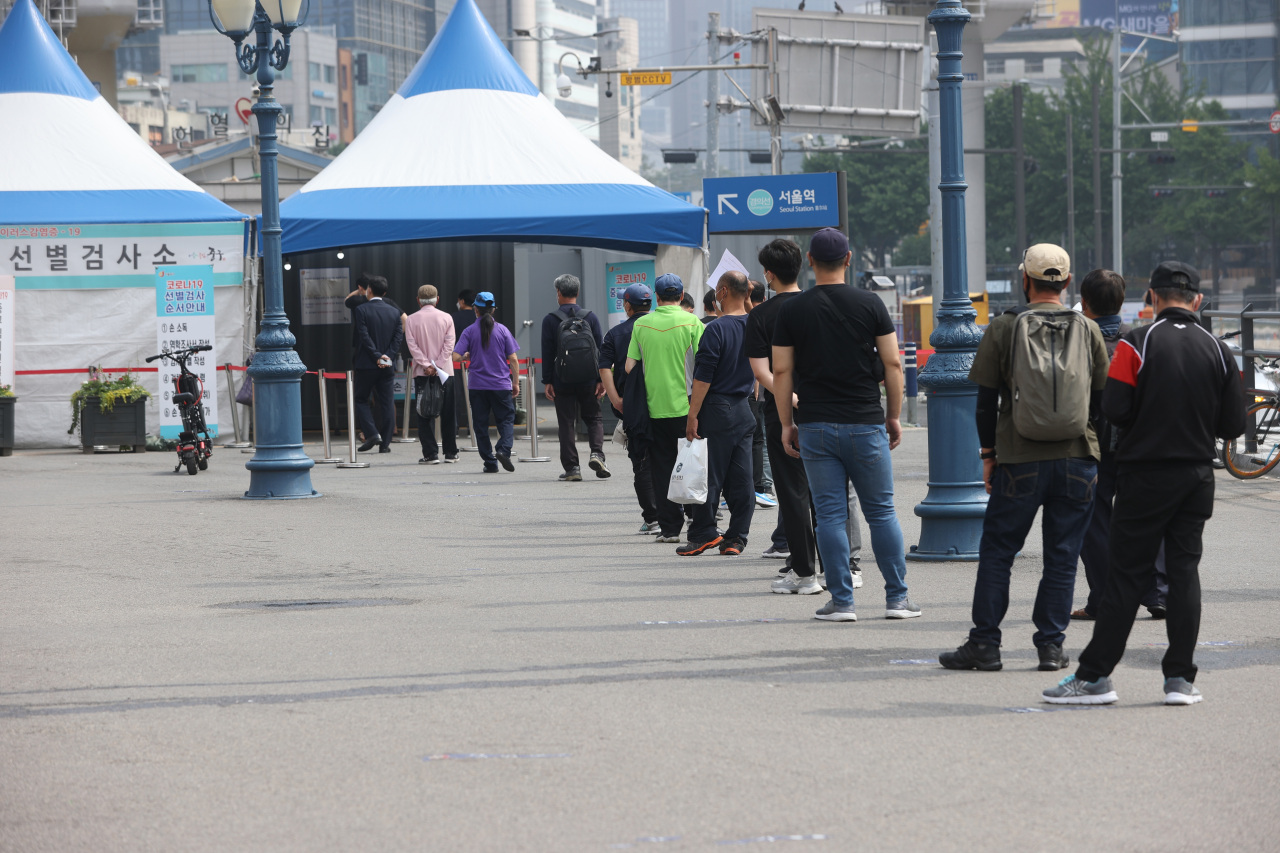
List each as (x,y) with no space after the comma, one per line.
(6,330)
(185,318)
(618,277)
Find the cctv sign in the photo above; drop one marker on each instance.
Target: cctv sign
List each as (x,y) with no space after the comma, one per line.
(646,78)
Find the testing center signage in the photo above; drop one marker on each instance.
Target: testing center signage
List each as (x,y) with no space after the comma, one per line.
(772,203)
(6,330)
(617,278)
(184,318)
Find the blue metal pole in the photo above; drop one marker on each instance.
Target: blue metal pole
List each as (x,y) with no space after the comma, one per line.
(951,513)
(279,469)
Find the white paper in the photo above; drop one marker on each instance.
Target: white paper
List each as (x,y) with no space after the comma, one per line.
(728,263)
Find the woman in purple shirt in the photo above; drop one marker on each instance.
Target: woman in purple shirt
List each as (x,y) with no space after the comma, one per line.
(493,381)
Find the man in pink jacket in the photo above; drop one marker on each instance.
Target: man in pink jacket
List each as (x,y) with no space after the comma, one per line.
(429,333)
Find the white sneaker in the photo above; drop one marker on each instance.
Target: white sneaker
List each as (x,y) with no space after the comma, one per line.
(794,585)
(857,578)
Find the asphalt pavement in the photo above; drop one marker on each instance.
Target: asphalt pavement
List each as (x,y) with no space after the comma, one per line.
(432,658)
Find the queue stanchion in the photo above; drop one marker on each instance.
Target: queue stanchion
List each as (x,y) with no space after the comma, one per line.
(235,417)
(532,415)
(253,421)
(526,379)
(471,425)
(912,389)
(329,458)
(351,425)
(403,438)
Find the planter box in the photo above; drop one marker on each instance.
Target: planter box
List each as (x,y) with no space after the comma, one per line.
(6,425)
(126,425)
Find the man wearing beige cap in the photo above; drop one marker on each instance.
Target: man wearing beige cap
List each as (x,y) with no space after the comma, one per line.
(1040,372)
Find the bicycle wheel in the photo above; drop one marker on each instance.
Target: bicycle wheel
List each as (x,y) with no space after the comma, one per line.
(1249,465)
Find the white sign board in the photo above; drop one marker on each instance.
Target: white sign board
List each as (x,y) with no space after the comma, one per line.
(1159,136)
(6,330)
(324,293)
(185,318)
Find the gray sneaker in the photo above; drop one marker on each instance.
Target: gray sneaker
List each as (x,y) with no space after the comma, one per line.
(856,582)
(832,612)
(903,609)
(793,584)
(1073,691)
(1179,691)
(670,540)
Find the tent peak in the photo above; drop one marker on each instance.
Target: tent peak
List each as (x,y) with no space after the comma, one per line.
(33,60)
(466,54)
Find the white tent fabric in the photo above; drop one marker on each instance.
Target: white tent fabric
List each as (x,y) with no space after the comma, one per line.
(469,149)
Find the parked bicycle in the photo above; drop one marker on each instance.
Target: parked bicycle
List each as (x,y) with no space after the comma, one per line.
(1247,458)
(195,445)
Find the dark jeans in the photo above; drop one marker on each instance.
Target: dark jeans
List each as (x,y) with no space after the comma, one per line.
(572,402)
(382,423)
(644,486)
(448,422)
(762,482)
(665,435)
(794,507)
(1166,503)
(1095,553)
(727,424)
(502,406)
(1064,487)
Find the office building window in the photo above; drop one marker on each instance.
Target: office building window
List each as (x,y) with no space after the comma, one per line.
(213,72)
(1203,13)
(330,116)
(1033,66)
(317,115)
(155,134)
(314,68)
(995,66)
(330,73)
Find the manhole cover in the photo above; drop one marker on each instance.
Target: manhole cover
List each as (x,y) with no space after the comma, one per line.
(315,603)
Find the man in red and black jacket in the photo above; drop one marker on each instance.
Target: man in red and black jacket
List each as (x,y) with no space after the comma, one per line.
(1172,390)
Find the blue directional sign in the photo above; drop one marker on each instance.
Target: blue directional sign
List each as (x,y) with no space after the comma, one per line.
(772,203)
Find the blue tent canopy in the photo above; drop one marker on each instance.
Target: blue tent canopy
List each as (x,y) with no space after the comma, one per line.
(468,149)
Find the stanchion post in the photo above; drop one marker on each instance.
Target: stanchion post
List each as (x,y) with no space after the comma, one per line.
(329,458)
(532,415)
(235,417)
(471,426)
(253,421)
(351,425)
(912,388)
(408,385)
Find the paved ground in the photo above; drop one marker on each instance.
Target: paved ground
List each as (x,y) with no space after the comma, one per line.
(526,673)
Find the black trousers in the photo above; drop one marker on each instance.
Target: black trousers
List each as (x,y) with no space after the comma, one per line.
(665,435)
(757,445)
(1095,550)
(448,419)
(1169,502)
(791,485)
(572,402)
(380,424)
(644,486)
(727,424)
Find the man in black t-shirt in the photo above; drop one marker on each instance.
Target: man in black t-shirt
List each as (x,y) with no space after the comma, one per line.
(834,345)
(636,302)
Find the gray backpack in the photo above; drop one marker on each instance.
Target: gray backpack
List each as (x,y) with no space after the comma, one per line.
(1051,375)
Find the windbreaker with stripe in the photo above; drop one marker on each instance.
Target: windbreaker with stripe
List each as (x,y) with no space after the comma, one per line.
(1173,389)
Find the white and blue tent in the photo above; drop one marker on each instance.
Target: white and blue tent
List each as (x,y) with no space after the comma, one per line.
(66,156)
(468,149)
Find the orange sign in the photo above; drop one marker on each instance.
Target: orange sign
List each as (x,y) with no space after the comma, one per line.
(646,78)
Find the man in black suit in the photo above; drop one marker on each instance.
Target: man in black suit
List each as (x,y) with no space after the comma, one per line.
(379,334)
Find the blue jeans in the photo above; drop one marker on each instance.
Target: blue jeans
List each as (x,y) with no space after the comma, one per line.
(1064,487)
(503,409)
(858,453)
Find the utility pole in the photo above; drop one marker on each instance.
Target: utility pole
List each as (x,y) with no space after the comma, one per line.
(1071,202)
(1019,179)
(775,117)
(1117,179)
(1097,178)
(713,97)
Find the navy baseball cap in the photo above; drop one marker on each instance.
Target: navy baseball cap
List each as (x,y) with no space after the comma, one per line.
(484,299)
(669,286)
(829,245)
(1176,274)
(637,294)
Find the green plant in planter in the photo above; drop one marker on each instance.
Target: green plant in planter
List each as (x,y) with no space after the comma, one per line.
(122,389)
(6,391)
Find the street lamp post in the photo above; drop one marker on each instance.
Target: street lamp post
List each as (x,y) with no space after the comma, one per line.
(279,469)
(951,513)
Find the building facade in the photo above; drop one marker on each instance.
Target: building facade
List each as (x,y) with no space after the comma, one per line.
(619,106)
(1230,54)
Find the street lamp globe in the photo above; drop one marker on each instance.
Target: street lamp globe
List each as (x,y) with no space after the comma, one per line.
(233,17)
(284,14)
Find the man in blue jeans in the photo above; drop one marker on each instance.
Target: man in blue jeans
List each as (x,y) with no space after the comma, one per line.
(1022,475)
(833,346)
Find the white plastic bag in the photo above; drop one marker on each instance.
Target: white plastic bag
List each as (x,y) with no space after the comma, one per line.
(620,435)
(689,477)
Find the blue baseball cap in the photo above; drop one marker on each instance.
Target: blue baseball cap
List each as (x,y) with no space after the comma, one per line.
(829,245)
(669,286)
(637,294)
(484,299)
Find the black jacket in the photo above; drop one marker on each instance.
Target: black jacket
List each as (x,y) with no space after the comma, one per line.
(378,332)
(635,412)
(1172,390)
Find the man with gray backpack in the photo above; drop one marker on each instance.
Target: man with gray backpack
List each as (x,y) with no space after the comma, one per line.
(571,341)
(1039,371)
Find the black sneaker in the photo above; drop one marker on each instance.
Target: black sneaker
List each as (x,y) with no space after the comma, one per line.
(490,468)
(370,444)
(1157,611)
(732,547)
(597,465)
(1052,658)
(693,549)
(973,656)
(573,475)
(505,460)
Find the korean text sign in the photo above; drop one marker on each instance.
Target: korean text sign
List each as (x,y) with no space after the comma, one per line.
(185,318)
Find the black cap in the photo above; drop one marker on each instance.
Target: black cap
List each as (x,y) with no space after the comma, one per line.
(829,245)
(1176,274)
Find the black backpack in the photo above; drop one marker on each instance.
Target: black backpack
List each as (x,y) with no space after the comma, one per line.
(577,359)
